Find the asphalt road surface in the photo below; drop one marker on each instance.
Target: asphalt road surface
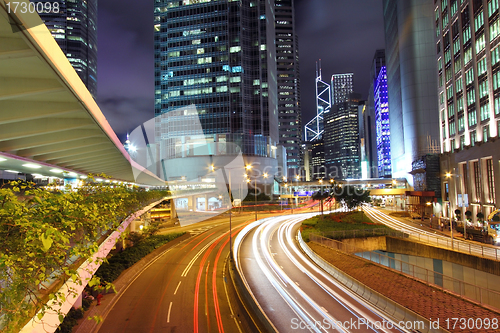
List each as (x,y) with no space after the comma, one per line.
(295,294)
(184,290)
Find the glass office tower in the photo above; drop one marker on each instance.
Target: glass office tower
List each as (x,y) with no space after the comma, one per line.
(383,130)
(341,137)
(75,30)
(215,62)
(287,59)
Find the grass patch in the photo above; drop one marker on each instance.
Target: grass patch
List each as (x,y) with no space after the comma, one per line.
(337,222)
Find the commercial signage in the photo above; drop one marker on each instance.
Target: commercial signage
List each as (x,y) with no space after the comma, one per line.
(303,194)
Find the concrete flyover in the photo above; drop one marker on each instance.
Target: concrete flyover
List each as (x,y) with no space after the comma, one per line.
(47,116)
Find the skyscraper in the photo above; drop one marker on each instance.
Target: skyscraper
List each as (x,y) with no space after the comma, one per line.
(314,128)
(412,87)
(219,57)
(369,117)
(383,131)
(468,76)
(75,30)
(287,63)
(342,86)
(341,138)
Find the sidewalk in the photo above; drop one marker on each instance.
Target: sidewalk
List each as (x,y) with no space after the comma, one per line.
(425,300)
(88,326)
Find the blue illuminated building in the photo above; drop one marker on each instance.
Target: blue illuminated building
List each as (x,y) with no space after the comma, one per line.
(382,125)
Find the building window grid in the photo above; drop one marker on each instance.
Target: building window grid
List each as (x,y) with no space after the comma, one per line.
(486,132)
(471,96)
(449,92)
(483,89)
(472,117)
(477,180)
(466,34)
(496,80)
(456,46)
(490,180)
(495,56)
(469,76)
(496,103)
(458,64)
(454,7)
(484,112)
(480,43)
(479,21)
(460,104)
(492,7)
(458,84)
(447,56)
(494,29)
(461,123)
(467,55)
(481,67)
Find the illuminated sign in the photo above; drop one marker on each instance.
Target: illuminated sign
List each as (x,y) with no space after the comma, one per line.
(303,194)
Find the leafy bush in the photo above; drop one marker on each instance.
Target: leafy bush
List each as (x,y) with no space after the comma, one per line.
(40,229)
(70,321)
(111,270)
(338,222)
(86,303)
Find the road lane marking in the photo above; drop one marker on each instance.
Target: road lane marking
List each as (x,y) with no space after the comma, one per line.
(175,292)
(169,308)
(191,263)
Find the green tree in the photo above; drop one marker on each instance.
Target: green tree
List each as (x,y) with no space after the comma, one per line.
(45,235)
(351,196)
(321,195)
(480,217)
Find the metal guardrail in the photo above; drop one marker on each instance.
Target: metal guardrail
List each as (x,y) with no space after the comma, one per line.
(457,245)
(388,306)
(483,296)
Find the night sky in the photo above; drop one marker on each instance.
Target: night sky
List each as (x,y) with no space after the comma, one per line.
(344,34)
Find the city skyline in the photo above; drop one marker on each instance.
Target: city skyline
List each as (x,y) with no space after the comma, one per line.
(126,53)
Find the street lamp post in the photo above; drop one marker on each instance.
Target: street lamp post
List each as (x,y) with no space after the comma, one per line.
(321,191)
(297,178)
(212,168)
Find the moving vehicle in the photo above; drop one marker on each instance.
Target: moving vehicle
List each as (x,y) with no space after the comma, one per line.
(490,233)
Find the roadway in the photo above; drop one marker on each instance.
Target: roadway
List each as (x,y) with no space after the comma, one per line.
(184,290)
(294,293)
(421,234)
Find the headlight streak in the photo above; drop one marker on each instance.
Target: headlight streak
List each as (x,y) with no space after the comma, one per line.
(288,231)
(296,307)
(279,272)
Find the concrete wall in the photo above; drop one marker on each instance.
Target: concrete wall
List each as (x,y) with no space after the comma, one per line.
(367,243)
(397,245)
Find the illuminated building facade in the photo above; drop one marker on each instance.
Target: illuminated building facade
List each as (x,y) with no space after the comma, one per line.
(287,66)
(412,87)
(383,131)
(75,30)
(318,159)
(220,57)
(315,127)
(342,86)
(341,139)
(468,75)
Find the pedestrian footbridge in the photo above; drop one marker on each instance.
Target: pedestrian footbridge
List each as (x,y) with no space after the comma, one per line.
(49,122)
